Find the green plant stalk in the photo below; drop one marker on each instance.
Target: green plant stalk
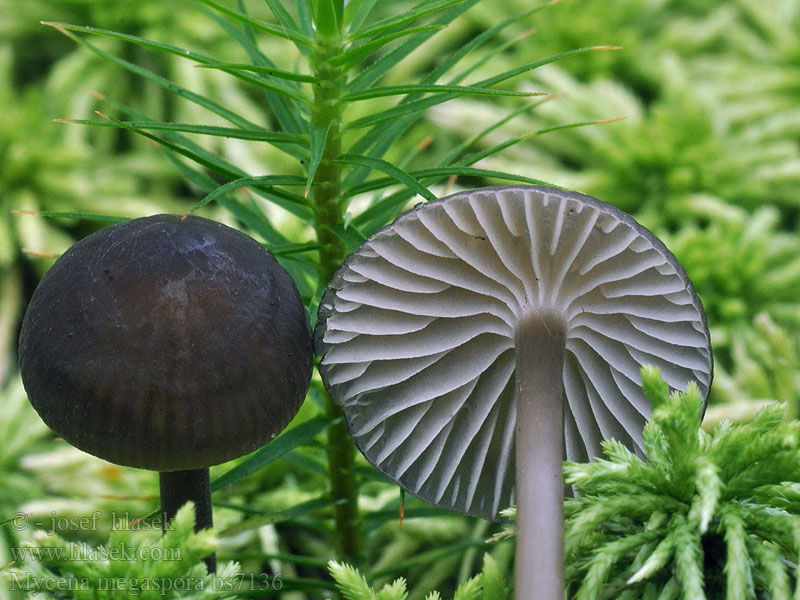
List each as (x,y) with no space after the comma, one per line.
(327,111)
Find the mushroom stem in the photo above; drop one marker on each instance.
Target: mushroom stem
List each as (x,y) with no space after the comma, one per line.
(178,488)
(539,358)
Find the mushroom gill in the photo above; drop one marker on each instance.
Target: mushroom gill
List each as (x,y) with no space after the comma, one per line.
(417,334)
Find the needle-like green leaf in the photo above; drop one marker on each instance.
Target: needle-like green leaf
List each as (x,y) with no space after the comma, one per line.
(437,174)
(203,61)
(497,148)
(380,137)
(133,39)
(291,249)
(389,206)
(258,135)
(204,158)
(381,27)
(286,441)
(278,516)
(356,12)
(170,86)
(287,22)
(263,70)
(319,134)
(293,203)
(246,212)
(397,90)
(292,35)
(355,55)
(288,113)
(531,66)
(175,144)
(389,169)
(259,180)
(415,109)
(458,151)
(304,17)
(326,19)
(424,558)
(350,235)
(270,85)
(72,215)
(381,66)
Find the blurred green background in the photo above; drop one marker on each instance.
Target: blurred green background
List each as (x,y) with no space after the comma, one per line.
(706,153)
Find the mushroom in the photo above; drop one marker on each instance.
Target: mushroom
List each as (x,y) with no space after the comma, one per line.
(167,344)
(478,338)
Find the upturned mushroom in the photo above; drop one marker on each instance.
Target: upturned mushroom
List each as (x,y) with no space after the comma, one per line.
(479,338)
(167,344)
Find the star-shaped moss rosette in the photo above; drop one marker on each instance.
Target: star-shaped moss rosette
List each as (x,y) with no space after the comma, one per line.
(702,516)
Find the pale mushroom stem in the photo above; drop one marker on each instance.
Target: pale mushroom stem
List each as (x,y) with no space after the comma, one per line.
(177,488)
(539,357)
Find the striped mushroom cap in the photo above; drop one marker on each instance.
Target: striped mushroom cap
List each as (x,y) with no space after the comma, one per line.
(166,344)
(416,334)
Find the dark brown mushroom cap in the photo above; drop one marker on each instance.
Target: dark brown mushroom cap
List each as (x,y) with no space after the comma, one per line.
(166,344)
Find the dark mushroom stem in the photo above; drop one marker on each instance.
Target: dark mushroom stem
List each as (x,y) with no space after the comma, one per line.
(178,488)
(539,358)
